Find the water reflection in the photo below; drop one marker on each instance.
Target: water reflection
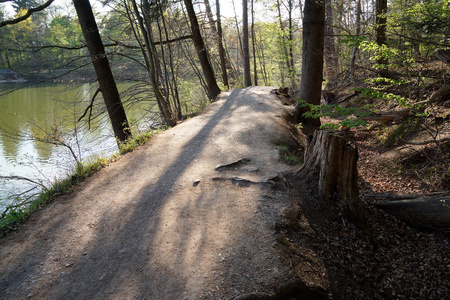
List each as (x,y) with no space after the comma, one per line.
(50,111)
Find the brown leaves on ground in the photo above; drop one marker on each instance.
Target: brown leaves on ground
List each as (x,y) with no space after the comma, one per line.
(403,262)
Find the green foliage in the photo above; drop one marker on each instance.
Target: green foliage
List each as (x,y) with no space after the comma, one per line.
(388,97)
(428,20)
(350,116)
(388,135)
(291,156)
(137,140)
(352,40)
(397,58)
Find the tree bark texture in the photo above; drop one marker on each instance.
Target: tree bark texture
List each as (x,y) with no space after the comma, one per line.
(283,45)
(208,72)
(224,65)
(381,20)
(330,162)
(148,52)
(255,72)
(312,60)
(103,71)
(245,45)
(424,212)
(357,33)
(331,64)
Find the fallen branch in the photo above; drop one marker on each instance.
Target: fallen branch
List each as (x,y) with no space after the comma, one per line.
(22,178)
(387,116)
(424,212)
(425,142)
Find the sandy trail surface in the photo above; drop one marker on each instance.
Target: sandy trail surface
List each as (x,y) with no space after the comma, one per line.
(162,222)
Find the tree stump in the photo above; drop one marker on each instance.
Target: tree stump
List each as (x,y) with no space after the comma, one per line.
(331,163)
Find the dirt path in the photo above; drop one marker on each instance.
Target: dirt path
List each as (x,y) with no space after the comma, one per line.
(162,223)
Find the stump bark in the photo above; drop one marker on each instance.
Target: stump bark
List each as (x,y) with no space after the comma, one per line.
(330,161)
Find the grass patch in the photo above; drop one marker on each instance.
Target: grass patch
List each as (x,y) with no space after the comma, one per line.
(290,156)
(21,209)
(137,140)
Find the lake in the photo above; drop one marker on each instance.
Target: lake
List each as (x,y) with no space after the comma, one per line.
(50,111)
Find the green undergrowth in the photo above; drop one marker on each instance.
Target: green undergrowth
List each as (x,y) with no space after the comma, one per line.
(290,156)
(21,209)
(387,136)
(137,140)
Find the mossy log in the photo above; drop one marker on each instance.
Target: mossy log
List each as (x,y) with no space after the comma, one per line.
(331,162)
(421,211)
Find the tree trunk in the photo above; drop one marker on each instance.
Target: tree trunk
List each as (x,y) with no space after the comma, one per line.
(284,49)
(150,61)
(357,33)
(7,59)
(255,73)
(239,40)
(381,21)
(210,17)
(245,45)
(331,65)
(424,212)
(102,68)
(224,64)
(208,72)
(312,61)
(330,166)
(291,69)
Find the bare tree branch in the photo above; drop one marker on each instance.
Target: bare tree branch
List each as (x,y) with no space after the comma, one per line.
(27,15)
(90,109)
(425,142)
(22,178)
(186,37)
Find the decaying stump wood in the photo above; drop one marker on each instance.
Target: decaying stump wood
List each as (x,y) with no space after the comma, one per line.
(331,162)
(441,95)
(425,212)
(443,55)
(387,116)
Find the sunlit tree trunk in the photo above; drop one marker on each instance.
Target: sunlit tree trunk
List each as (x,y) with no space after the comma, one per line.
(282,44)
(224,64)
(208,72)
(255,72)
(152,69)
(245,45)
(357,33)
(381,10)
(102,68)
(331,64)
(291,42)
(312,60)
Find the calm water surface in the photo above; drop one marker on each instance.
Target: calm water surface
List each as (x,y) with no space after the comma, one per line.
(46,110)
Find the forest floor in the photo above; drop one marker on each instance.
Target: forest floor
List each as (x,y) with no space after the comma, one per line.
(204,211)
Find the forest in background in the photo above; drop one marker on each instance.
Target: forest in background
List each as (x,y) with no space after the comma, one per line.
(360,36)
(362,39)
